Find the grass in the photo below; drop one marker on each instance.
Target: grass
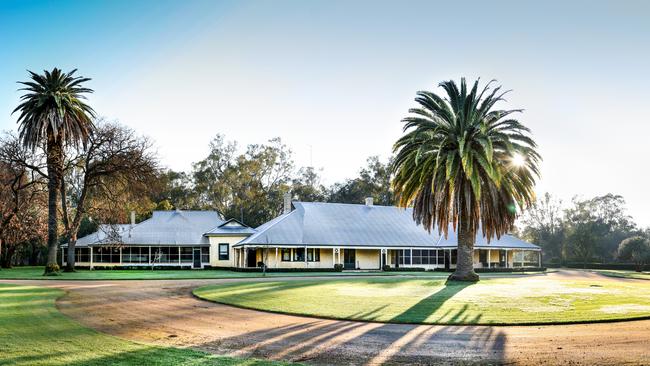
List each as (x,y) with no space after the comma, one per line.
(623,274)
(36,273)
(523,300)
(33,332)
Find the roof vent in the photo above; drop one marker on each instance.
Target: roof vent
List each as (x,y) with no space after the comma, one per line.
(368,201)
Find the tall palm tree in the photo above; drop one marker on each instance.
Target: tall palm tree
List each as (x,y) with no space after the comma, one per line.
(53,114)
(464,165)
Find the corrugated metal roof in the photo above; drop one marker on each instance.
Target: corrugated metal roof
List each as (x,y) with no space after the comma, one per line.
(102,236)
(231,227)
(359,225)
(164,228)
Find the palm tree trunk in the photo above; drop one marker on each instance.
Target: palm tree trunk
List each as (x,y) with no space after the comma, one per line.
(465,257)
(54,173)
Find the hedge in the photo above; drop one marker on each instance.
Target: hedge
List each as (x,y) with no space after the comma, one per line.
(499,270)
(614,266)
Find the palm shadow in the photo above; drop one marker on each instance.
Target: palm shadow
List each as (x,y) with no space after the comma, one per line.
(420,312)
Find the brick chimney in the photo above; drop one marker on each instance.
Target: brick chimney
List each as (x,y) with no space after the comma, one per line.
(368,201)
(287,203)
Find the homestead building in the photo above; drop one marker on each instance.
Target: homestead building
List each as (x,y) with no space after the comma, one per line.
(305,235)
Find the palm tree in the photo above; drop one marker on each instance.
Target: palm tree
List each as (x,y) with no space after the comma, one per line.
(464,165)
(52,115)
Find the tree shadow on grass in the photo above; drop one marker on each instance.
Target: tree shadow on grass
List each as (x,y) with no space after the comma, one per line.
(428,306)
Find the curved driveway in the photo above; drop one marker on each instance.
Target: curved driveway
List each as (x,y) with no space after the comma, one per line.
(165,312)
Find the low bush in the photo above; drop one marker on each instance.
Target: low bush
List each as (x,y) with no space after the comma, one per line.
(280,270)
(338,267)
(613,266)
(403,269)
(499,270)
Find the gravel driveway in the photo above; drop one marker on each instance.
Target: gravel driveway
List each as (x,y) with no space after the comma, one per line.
(166,313)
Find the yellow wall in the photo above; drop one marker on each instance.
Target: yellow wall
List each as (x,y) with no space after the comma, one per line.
(367,258)
(271,261)
(214,250)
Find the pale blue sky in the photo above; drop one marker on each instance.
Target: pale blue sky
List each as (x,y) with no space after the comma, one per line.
(339,76)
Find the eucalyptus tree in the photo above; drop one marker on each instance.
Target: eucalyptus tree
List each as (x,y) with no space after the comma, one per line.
(54,114)
(465,165)
(116,170)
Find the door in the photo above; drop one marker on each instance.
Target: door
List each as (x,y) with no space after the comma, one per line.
(349,259)
(196,258)
(482,258)
(502,258)
(252,258)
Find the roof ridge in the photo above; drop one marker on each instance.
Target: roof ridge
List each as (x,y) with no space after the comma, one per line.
(279,218)
(348,204)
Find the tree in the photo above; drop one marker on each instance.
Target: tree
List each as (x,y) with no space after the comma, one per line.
(21,195)
(373,181)
(605,217)
(306,186)
(246,186)
(53,114)
(543,225)
(175,189)
(635,249)
(582,240)
(463,163)
(115,166)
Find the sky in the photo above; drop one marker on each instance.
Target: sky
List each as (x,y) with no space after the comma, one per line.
(333,79)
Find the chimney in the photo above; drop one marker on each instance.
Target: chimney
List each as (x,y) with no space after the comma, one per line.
(368,201)
(287,203)
(132,218)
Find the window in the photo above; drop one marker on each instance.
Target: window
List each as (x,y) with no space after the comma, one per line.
(417,258)
(224,253)
(404,256)
(205,254)
(454,253)
(526,258)
(187,254)
(299,254)
(423,256)
(286,255)
(106,255)
(81,255)
(441,256)
(135,255)
(313,255)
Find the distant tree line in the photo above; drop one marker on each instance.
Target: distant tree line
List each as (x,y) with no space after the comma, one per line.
(585,231)
(249,185)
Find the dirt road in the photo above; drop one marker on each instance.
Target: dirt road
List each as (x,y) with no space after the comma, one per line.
(165,312)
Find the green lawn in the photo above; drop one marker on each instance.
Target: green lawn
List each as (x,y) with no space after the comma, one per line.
(36,273)
(514,300)
(33,332)
(624,274)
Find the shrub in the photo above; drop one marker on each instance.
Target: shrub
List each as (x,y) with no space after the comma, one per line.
(635,249)
(404,269)
(338,267)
